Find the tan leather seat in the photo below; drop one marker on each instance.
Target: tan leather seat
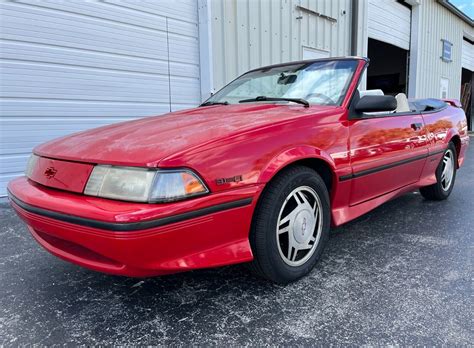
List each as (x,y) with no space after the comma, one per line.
(402,103)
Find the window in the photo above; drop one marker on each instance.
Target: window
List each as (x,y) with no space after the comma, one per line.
(447,50)
(321,83)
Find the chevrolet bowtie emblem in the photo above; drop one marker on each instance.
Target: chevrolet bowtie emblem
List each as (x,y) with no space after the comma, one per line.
(50,172)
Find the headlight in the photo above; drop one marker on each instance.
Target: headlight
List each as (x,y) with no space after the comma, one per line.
(30,166)
(143,185)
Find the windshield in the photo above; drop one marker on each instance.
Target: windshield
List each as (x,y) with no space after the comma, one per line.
(319,83)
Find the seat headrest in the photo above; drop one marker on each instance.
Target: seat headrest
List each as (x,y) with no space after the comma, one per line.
(402,103)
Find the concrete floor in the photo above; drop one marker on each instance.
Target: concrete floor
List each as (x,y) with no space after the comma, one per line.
(399,275)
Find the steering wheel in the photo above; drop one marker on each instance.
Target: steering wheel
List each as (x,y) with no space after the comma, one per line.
(322,96)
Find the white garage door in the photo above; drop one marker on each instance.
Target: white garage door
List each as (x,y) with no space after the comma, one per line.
(389,21)
(72,65)
(467,55)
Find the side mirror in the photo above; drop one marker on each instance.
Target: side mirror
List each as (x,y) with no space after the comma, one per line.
(375,103)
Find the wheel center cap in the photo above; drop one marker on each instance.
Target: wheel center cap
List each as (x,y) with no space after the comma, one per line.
(303,226)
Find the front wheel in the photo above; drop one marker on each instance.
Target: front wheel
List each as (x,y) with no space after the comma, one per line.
(291,225)
(445,175)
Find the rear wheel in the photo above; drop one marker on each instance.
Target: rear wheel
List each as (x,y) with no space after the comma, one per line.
(445,175)
(290,226)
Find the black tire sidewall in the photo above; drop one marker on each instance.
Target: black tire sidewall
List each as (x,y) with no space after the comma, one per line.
(439,171)
(279,270)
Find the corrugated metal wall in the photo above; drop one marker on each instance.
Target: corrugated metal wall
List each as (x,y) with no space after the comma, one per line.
(247,34)
(70,66)
(437,23)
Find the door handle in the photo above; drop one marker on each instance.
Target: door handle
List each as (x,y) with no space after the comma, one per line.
(416,126)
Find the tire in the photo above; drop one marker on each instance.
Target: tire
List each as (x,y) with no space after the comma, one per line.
(442,189)
(295,200)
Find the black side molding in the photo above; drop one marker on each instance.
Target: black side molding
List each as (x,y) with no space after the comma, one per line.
(130,226)
(387,166)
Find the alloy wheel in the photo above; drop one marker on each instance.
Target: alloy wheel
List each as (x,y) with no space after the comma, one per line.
(447,171)
(299,226)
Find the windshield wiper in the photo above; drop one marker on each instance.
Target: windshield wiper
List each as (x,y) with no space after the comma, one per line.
(264,98)
(214,103)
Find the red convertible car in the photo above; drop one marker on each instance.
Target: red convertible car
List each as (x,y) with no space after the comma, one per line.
(258,173)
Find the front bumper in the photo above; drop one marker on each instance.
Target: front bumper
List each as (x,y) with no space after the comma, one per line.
(138,239)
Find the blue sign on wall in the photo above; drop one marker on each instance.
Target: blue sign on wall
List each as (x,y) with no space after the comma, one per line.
(447,51)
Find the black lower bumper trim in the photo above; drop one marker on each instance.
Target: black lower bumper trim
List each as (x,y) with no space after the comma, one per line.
(129,226)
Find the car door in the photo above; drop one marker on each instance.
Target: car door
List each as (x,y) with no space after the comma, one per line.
(388,151)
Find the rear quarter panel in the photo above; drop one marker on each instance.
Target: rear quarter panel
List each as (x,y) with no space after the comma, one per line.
(443,126)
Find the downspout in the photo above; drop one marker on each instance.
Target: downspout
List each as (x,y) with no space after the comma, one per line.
(354,26)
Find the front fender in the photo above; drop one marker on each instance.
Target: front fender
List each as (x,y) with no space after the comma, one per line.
(293,155)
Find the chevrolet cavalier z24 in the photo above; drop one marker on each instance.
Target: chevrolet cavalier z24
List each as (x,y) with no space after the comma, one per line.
(257,174)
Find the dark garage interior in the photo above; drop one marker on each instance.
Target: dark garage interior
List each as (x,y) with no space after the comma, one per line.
(467,86)
(388,68)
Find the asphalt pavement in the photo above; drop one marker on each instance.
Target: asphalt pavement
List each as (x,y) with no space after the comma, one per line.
(400,275)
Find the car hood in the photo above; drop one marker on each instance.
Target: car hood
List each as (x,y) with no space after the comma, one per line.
(146,141)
